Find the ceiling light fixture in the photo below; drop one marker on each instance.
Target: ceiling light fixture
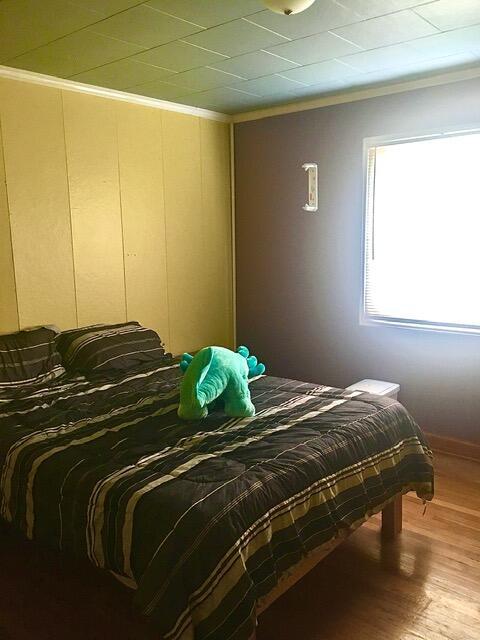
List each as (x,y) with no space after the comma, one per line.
(288,7)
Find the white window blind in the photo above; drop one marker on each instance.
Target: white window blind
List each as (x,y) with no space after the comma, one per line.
(422,233)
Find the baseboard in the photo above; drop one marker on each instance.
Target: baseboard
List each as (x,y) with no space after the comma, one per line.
(454,447)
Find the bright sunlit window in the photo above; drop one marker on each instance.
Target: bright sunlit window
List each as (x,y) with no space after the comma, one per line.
(422,233)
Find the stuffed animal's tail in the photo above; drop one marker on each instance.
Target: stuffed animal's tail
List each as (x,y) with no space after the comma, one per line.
(185,361)
(193,400)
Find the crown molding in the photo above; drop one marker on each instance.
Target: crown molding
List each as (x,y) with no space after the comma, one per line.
(258,114)
(360,94)
(70,85)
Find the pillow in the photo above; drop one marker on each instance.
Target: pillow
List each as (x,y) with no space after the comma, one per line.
(29,357)
(107,348)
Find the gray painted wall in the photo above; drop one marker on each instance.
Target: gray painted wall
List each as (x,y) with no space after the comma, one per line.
(299,275)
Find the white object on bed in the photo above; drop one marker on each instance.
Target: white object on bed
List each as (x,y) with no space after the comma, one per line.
(378,387)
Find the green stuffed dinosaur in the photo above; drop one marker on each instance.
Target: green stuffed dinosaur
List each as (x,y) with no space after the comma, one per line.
(216,372)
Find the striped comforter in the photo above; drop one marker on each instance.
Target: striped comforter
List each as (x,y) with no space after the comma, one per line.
(200,518)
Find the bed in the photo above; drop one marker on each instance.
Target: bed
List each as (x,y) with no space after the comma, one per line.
(207,522)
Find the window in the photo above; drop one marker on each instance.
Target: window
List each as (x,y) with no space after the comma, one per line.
(422,232)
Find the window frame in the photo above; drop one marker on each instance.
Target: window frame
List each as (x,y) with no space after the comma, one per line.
(366,319)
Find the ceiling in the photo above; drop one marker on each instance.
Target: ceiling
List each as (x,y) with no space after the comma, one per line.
(233,55)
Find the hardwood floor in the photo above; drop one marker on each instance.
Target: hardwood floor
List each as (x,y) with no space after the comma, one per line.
(423,586)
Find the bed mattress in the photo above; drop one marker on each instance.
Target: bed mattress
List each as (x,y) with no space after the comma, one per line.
(201,518)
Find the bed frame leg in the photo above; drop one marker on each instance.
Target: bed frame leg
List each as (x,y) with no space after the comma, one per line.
(392,519)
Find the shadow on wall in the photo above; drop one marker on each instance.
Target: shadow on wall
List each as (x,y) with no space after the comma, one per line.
(299,274)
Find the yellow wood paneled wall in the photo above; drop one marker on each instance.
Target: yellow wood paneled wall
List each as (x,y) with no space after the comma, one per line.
(37,190)
(92,165)
(143,215)
(112,211)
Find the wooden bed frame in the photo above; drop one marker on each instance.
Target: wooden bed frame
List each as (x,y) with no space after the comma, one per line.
(391,527)
(85,577)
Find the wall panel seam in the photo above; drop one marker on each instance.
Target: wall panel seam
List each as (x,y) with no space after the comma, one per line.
(121,214)
(69,208)
(202,178)
(232,234)
(162,137)
(12,254)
